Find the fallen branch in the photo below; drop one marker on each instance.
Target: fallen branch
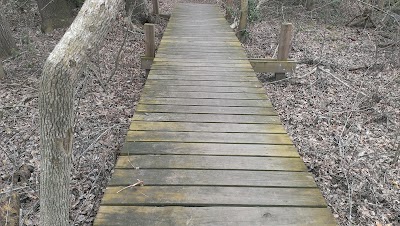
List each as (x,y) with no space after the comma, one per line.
(141,183)
(344,83)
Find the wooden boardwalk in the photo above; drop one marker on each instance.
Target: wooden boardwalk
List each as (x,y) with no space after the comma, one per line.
(206,141)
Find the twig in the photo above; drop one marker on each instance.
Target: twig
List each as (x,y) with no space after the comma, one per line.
(345,84)
(141,183)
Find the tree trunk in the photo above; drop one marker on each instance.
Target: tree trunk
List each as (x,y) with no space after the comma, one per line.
(55,14)
(7,44)
(58,81)
(139,9)
(2,73)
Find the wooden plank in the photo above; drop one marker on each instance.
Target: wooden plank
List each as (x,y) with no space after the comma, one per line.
(205,109)
(214,89)
(203,78)
(270,65)
(211,118)
(159,177)
(213,196)
(221,149)
(206,127)
(246,65)
(205,83)
(205,95)
(205,72)
(210,162)
(206,102)
(211,216)
(204,60)
(204,137)
(226,68)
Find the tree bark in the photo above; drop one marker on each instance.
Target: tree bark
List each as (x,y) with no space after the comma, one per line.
(2,73)
(139,9)
(7,44)
(54,14)
(56,95)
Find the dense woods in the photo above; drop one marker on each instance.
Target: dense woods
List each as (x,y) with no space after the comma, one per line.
(341,106)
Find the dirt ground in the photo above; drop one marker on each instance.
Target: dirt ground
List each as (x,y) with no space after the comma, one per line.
(341,107)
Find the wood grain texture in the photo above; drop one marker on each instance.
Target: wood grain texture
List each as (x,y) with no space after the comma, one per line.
(211,216)
(210,162)
(158,177)
(206,109)
(207,137)
(213,196)
(174,117)
(211,149)
(207,127)
(205,102)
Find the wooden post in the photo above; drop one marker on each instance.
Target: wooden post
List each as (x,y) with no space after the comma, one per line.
(228,9)
(244,9)
(150,42)
(155,7)
(381,4)
(285,39)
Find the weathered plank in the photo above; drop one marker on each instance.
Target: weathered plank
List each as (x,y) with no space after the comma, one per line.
(206,102)
(202,78)
(204,95)
(174,117)
(211,149)
(213,196)
(206,83)
(160,177)
(206,110)
(211,216)
(210,162)
(207,65)
(213,89)
(203,137)
(206,127)
(220,69)
(205,72)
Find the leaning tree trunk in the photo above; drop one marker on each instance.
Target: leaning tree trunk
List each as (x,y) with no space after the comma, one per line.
(7,44)
(58,81)
(54,14)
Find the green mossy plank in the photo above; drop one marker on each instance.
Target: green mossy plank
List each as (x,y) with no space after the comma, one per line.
(206,127)
(160,177)
(213,196)
(206,110)
(212,216)
(175,117)
(221,149)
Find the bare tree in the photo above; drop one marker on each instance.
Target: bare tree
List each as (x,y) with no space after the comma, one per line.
(56,96)
(7,44)
(55,14)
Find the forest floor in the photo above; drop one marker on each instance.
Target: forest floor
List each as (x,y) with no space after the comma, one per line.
(341,107)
